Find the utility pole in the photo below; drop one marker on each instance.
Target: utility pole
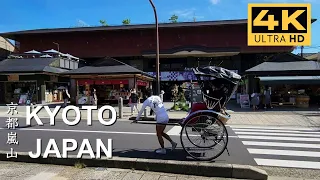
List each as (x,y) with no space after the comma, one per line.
(157,51)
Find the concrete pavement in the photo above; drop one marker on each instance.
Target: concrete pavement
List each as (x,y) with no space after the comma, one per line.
(129,140)
(238,116)
(29,171)
(248,145)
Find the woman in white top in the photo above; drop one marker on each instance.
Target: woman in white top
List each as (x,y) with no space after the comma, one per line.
(162,118)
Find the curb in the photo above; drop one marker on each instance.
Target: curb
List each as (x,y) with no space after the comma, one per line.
(166,166)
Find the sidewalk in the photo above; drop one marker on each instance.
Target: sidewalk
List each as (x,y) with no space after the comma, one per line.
(268,118)
(249,117)
(18,171)
(31,171)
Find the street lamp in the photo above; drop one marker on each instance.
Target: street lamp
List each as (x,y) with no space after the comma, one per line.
(157,51)
(57,46)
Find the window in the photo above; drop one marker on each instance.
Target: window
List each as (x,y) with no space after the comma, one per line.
(67,64)
(62,63)
(76,65)
(71,64)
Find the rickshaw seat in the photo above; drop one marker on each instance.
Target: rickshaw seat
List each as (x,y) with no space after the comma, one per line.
(198,106)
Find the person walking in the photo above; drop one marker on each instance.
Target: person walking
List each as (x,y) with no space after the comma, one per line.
(267,97)
(161,95)
(95,98)
(162,118)
(133,99)
(65,96)
(255,100)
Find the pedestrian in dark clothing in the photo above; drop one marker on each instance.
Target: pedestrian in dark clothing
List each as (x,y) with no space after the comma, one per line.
(65,96)
(133,101)
(267,97)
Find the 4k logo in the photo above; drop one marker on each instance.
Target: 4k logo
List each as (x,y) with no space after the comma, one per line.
(279,25)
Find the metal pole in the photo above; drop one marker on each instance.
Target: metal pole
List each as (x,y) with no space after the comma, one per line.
(157,51)
(57,46)
(191,96)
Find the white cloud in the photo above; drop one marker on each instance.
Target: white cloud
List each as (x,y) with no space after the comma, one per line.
(81,23)
(214,1)
(186,14)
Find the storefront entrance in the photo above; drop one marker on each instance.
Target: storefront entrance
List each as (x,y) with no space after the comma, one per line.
(20,92)
(108,91)
(54,91)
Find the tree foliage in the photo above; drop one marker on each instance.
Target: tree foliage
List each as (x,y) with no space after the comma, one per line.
(126,21)
(178,98)
(174,19)
(103,23)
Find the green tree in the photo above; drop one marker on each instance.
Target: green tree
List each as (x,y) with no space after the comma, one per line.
(103,23)
(174,19)
(126,22)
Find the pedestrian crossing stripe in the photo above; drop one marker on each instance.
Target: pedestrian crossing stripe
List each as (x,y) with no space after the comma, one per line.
(284,152)
(288,163)
(275,127)
(275,131)
(279,134)
(281,146)
(279,138)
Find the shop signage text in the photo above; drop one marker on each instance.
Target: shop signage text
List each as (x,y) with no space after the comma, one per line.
(279,24)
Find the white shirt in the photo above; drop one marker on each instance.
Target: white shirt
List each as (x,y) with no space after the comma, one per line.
(155,103)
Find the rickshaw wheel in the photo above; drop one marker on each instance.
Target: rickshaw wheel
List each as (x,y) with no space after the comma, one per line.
(207,128)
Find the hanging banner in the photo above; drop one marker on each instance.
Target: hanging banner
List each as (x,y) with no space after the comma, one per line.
(177,75)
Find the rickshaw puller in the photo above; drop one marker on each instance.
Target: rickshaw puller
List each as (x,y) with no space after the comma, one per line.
(162,118)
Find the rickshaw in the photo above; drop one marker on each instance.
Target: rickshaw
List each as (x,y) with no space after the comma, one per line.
(204,135)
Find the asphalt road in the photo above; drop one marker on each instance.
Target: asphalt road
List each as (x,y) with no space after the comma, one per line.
(249,145)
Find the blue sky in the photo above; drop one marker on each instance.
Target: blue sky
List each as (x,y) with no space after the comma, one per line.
(36,14)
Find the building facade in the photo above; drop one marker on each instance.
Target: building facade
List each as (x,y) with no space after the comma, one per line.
(182,46)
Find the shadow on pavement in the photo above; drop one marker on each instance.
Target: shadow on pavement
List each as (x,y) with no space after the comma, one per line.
(313,114)
(20,125)
(178,154)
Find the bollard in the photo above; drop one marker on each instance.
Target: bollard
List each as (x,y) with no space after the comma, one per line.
(110,114)
(145,113)
(120,106)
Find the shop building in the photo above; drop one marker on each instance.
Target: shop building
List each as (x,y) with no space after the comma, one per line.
(182,46)
(294,80)
(6,48)
(111,79)
(34,77)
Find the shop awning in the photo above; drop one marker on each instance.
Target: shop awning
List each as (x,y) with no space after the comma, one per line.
(290,80)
